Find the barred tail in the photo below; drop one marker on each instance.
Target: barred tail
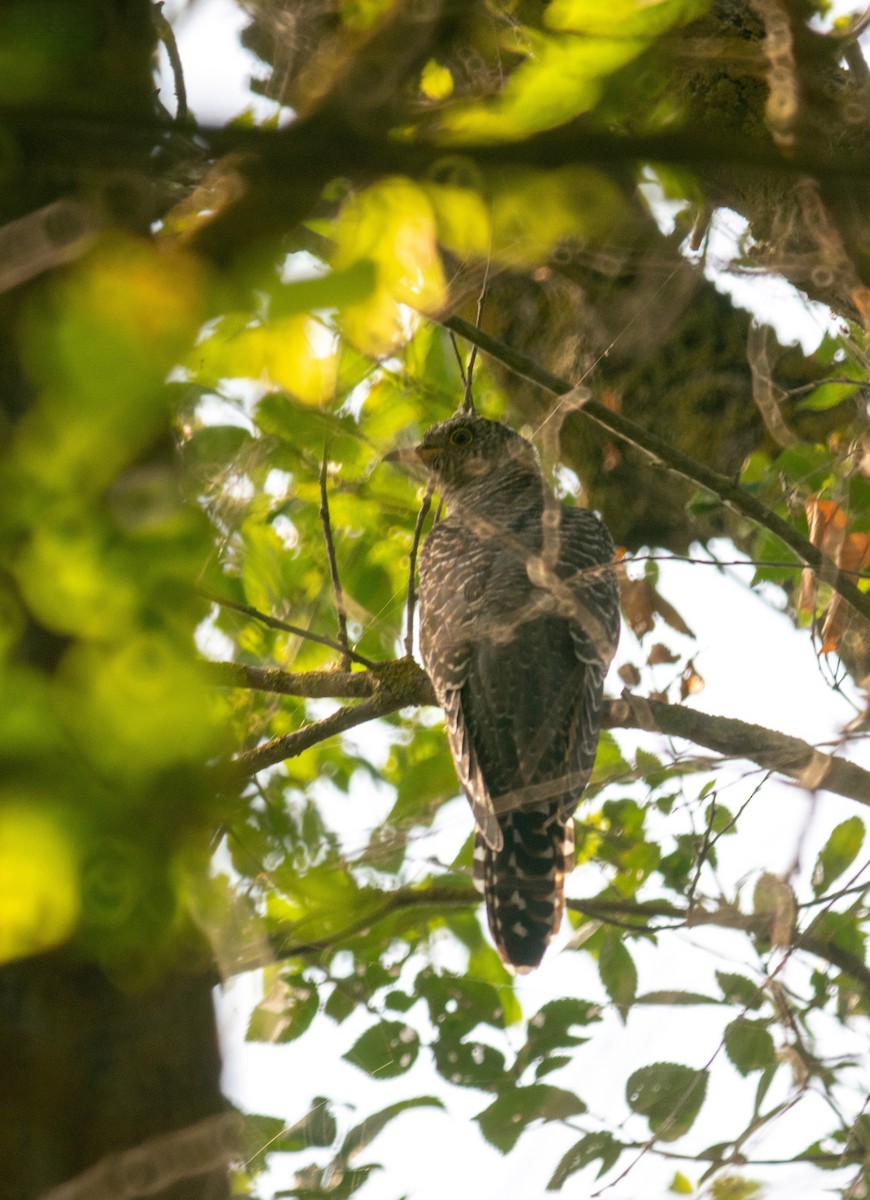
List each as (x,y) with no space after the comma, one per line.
(524,883)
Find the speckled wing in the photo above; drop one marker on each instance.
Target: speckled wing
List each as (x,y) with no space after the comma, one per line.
(454,569)
(534,675)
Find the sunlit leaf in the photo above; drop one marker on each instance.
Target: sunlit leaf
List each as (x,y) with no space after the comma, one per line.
(39,878)
(436,82)
(393,225)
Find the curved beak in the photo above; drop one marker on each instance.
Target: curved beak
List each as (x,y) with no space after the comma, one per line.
(407,454)
(414,456)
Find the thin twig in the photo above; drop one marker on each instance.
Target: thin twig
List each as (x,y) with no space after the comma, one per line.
(412,569)
(468,400)
(702,854)
(457,352)
(333,566)
(167,36)
(285,627)
(730,493)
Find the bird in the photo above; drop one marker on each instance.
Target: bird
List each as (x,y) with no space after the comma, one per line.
(519,620)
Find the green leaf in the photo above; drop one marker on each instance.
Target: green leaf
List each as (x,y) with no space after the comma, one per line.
(680,1185)
(551,1027)
(555,1063)
(361,1135)
(609,761)
(285,1013)
(457,1004)
(828,395)
(316,1128)
(675,997)
(469,1064)
(215,445)
(508,1116)
(669,1095)
(332,290)
(618,972)
(749,1045)
(257,1136)
(385,1050)
(589,1149)
(838,853)
(739,990)
(339,1005)
(735,1187)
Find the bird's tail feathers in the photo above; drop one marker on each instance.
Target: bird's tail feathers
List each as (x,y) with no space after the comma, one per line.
(523,882)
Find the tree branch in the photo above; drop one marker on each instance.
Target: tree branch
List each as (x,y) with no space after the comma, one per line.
(810,768)
(614,912)
(660,451)
(403,684)
(340,610)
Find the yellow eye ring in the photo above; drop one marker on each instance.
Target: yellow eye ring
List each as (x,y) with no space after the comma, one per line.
(461,437)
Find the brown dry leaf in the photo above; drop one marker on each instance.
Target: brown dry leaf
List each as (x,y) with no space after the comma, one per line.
(864,461)
(854,555)
(827,529)
(661,654)
(861,300)
(629,675)
(641,602)
(668,613)
(690,681)
(774,899)
(638,603)
(611,455)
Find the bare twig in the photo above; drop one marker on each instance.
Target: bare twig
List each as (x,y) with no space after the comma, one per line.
(660,451)
(333,565)
(468,399)
(763,388)
(167,36)
(274,623)
(412,569)
(702,854)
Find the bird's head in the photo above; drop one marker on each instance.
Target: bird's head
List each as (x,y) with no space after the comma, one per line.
(466,449)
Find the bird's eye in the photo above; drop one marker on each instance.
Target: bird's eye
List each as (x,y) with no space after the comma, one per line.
(461,437)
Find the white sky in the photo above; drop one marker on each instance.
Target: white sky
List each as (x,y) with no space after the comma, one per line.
(756,668)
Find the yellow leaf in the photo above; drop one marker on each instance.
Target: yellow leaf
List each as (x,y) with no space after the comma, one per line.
(296,353)
(622,18)
(533,211)
(137,708)
(39,884)
(436,82)
(562,78)
(461,217)
(392,224)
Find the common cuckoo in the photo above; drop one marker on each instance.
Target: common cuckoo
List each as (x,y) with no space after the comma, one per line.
(519,619)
